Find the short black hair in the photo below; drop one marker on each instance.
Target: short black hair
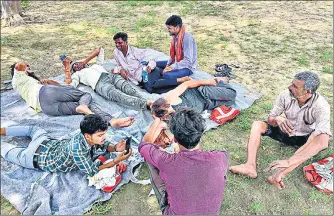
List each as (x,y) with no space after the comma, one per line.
(160,107)
(12,67)
(174,20)
(31,74)
(93,123)
(187,125)
(122,35)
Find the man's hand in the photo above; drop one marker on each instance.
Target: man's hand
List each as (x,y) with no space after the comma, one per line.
(284,124)
(121,122)
(44,81)
(122,156)
(50,82)
(148,69)
(67,61)
(278,164)
(169,68)
(120,146)
(123,74)
(121,167)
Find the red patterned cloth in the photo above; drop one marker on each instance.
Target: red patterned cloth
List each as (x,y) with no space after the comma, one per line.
(320,174)
(178,52)
(223,114)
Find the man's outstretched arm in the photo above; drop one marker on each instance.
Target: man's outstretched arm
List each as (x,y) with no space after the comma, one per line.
(93,55)
(312,147)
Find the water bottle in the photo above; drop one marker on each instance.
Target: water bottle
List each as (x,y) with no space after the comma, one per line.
(144,72)
(145,75)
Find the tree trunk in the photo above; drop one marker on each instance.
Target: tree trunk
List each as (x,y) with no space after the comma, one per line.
(11,11)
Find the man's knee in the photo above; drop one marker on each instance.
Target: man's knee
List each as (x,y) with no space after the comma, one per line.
(259,126)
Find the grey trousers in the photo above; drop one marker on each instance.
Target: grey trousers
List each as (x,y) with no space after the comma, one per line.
(63,100)
(221,94)
(159,187)
(114,88)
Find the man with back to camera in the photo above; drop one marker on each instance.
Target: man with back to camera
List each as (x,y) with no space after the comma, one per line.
(190,181)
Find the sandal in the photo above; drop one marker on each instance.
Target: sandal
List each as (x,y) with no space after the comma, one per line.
(7,85)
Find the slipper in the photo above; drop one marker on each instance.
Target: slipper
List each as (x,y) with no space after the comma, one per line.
(8,85)
(223,68)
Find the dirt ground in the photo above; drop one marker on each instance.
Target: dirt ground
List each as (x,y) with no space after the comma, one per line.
(269,41)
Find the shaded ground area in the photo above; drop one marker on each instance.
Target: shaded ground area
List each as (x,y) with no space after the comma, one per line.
(270,41)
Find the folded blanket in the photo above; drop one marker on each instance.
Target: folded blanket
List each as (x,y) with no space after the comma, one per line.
(37,192)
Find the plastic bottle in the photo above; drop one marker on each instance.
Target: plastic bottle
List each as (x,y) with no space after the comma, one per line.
(144,72)
(145,75)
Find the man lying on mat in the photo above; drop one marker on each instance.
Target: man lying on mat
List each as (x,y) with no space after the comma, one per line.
(54,99)
(200,95)
(109,86)
(51,155)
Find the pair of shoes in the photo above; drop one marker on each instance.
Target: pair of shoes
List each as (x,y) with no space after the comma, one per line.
(223,70)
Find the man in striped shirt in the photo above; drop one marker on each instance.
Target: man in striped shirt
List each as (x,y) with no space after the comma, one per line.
(52,155)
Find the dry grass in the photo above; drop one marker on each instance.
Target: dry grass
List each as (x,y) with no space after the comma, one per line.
(270,41)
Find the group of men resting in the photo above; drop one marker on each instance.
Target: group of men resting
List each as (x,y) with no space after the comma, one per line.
(189,181)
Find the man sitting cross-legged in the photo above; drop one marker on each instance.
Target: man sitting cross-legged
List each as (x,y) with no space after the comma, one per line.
(306,124)
(129,59)
(47,154)
(190,181)
(108,85)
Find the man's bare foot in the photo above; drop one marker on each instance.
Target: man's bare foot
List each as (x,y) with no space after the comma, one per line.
(274,181)
(183,79)
(149,104)
(244,169)
(224,79)
(121,122)
(83,109)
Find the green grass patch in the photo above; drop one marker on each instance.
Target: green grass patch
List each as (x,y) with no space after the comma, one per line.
(150,3)
(244,121)
(10,41)
(25,4)
(327,69)
(266,106)
(294,196)
(113,30)
(143,22)
(129,3)
(302,60)
(256,207)
(326,56)
(223,38)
